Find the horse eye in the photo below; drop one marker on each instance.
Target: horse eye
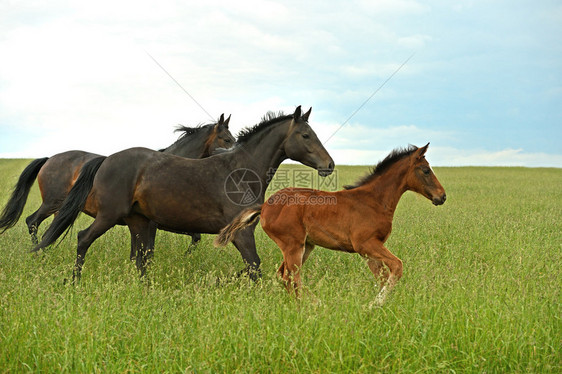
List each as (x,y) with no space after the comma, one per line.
(426,171)
(227,140)
(306,136)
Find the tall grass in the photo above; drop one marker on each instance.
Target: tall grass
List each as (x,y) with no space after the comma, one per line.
(480,293)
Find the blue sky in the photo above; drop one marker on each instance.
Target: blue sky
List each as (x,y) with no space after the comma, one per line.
(484,85)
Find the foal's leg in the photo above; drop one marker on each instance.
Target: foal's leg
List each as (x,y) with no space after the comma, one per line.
(295,252)
(379,270)
(295,261)
(308,247)
(378,256)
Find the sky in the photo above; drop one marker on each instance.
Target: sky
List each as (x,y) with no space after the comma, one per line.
(480,80)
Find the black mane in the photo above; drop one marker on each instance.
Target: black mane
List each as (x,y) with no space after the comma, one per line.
(268,119)
(393,157)
(188,131)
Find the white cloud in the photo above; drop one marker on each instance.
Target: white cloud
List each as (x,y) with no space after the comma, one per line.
(445,156)
(361,145)
(363,137)
(394,7)
(414,42)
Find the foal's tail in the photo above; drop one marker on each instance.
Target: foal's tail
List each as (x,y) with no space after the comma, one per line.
(73,204)
(247,218)
(13,209)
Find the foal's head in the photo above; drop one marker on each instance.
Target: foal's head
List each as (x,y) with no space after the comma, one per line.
(421,178)
(303,145)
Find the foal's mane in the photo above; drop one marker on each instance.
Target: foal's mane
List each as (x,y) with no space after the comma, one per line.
(268,119)
(393,157)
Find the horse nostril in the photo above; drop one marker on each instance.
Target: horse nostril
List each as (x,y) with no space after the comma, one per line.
(439,200)
(324,172)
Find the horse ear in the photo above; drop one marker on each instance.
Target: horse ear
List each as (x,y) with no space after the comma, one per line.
(297,114)
(306,115)
(221,120)
(421,151)
(225,124)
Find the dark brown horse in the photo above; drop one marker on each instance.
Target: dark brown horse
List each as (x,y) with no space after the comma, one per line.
(138,185)
(355,220)
(56,175)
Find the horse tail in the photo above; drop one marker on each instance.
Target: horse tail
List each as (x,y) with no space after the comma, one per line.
(14,208)
(73,204)
(246,218)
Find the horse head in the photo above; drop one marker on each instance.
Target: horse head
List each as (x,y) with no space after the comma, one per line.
(220,136)
(422,180)
(302,145)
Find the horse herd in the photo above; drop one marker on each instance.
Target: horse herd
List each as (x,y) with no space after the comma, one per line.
(182,189)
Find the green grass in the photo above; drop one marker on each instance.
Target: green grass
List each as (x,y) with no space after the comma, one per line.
(480,293)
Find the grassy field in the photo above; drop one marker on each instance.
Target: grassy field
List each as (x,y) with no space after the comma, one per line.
(481,292)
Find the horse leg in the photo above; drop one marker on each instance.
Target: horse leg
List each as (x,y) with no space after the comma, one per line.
(379,270)
(134,244)
(245,242)
(149,253)
(195,239)
(35,219)
(135,241)
(295,254)
(308,247)
(143,232)
(85,240)
(384,265)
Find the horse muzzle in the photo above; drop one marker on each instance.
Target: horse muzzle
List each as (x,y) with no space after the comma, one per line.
(324,172)
(439,200)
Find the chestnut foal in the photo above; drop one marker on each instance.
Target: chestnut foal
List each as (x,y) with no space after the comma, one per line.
(355,220)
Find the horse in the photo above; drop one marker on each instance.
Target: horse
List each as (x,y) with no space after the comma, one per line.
(357,219)
(56,175)
(138,186)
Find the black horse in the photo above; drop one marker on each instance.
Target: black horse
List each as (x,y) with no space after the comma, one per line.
(138,186)
(56,175)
